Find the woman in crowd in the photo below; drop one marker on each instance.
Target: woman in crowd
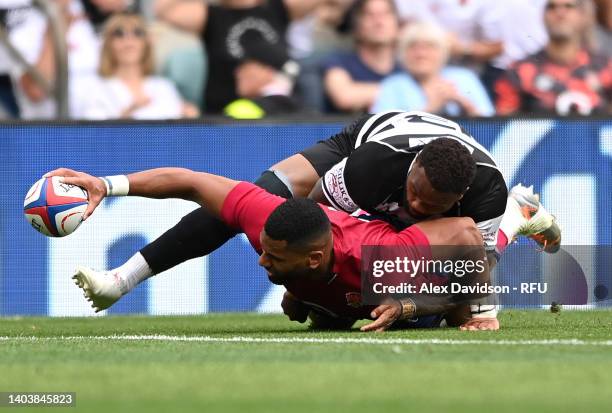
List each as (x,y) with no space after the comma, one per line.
(127,87)
(428,84)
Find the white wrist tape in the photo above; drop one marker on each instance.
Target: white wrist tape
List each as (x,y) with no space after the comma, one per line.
(116,185)
(483,311)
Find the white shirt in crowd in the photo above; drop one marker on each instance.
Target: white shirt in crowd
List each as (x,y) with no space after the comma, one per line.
(110,97)
(27,31)
(518,24)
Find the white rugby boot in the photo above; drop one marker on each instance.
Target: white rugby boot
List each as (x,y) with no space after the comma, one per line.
(102,289)
(539,224)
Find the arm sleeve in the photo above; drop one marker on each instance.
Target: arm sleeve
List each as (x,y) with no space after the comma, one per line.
(327,153)
(335,188)
(246,208)
(366,178)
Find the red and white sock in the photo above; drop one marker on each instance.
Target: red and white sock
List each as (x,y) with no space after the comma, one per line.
(133,271)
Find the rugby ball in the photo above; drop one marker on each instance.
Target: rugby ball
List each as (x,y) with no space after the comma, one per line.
(53,208)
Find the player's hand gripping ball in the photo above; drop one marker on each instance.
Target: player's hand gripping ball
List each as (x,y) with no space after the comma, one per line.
(55,208)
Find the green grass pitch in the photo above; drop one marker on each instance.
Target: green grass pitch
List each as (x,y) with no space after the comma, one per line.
(529,366)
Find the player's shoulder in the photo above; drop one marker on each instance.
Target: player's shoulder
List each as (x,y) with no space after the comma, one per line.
(382,125)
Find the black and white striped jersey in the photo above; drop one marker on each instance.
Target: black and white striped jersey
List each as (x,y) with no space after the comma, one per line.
(382,150)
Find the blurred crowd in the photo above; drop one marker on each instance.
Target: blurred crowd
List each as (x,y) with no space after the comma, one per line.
(248,59)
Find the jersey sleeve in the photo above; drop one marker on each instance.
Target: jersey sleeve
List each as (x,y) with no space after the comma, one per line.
(246,208)
(335,188)
(325,154)
(367,177)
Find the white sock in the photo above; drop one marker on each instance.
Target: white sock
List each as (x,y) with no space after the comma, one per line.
(512,220)
(133,271)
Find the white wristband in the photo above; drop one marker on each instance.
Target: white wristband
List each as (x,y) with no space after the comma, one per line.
(483,311)
(116,185)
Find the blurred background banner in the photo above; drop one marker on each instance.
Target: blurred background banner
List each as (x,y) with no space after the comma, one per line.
(568,162)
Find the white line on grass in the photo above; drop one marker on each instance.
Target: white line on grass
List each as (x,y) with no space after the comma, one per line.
(315,340)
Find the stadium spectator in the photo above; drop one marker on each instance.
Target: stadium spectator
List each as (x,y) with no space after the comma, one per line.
(428,84)
(484,35)
(225,27)
(264,82)
(352,80)
(564,77)
(31,36)
(311,39)
(127,88)
(473,26)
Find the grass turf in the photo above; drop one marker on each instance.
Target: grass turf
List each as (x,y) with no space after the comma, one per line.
(164,376)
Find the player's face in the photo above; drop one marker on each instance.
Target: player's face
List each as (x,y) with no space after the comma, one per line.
(282,263)
(422,200)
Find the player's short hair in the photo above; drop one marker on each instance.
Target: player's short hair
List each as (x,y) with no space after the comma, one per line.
(299,221)
(449,165)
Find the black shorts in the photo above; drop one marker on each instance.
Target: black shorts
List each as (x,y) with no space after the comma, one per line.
(325,154)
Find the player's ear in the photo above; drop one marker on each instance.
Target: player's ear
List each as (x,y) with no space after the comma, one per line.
(315,259)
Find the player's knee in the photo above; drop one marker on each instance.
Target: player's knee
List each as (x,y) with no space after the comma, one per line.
(275,182)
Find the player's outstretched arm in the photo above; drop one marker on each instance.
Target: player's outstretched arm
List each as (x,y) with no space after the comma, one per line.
(208,190)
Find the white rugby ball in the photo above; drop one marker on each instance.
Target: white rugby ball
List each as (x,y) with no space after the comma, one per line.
(53,208)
